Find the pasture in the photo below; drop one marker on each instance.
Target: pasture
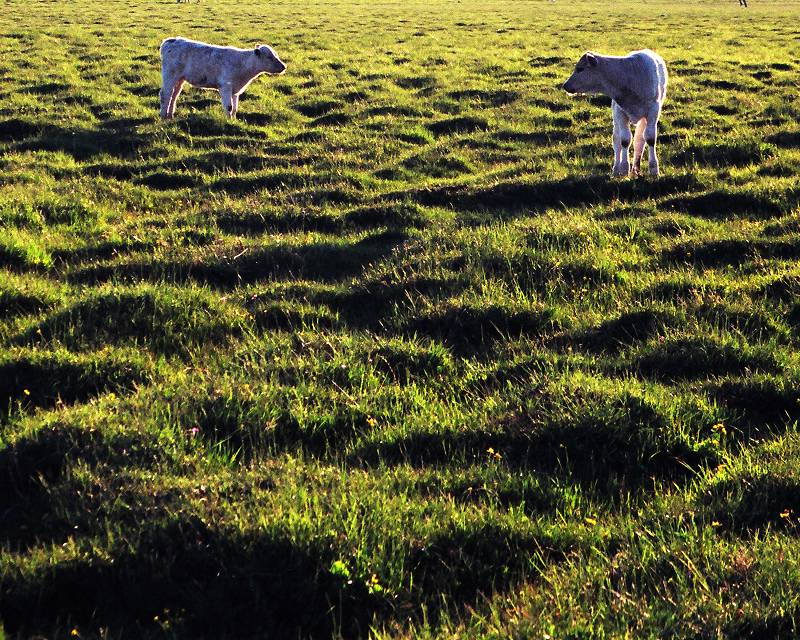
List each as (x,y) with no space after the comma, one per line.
(392,354)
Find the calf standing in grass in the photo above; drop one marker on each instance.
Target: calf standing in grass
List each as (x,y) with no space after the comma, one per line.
(637,86)
(229,70)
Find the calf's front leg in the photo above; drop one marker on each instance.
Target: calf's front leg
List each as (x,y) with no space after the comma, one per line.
(226,93)
(621,138)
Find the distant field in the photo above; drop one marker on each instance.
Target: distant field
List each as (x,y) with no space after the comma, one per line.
(393,355)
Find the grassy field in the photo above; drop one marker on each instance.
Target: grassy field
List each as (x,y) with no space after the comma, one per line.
(393,355)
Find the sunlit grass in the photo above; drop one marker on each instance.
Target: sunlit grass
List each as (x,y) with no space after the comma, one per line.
(392,355)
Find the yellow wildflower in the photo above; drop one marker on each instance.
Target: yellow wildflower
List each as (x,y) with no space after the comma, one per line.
(590,521)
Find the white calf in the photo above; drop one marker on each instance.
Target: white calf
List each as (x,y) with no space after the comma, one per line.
(229,70)
(637,86)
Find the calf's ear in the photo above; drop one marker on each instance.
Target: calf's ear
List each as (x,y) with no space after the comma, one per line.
(591,59)
(258,51)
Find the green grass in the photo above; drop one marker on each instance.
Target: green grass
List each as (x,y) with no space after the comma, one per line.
(392,355)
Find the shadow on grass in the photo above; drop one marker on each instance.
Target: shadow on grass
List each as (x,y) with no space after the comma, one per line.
(611,447)
(538,196)
(369,306)
(32,468)
(732,252)
(100,251)
(324,261)
(213,585)
(469,328)
(759,405)
(49,379)
(119,139)
(700,357)
(629,328)
(169,322)
(720,204)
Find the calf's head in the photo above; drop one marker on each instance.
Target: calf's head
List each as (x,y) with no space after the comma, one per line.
(268,60)
(586,76)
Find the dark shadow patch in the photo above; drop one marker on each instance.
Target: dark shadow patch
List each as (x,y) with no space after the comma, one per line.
(99,251)
(546,61)
(282,222)
(321,261)
(167,321)
(223,587)
(747,504)
(628,329)
(494,98)
(47,379)
(115,170)
(278,180)
(403,363)
(17,303)
(471,563)
(551,136)
(731,252)
(369,306)
(318,108)
(461,124)
(736,153)
(83,144)
(758,405)
(166,181)
(33,466)
(256,119)
(16,258)
(398,111)
(399,215)
(48,88)
(553,106)
(416,82)
(467,328)
(725,85)
(694,358)
(15,129)
(334,119)
(570,192)
(784,288)
(272,316)
(750,323)
(785,139)
(608,444)
(201,124)
(720,204)
(723,109)
(530,271)
(438,166)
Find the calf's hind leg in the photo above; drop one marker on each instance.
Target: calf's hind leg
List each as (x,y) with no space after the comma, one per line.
(170,90)
(174,101)
(650,133)
(638,146)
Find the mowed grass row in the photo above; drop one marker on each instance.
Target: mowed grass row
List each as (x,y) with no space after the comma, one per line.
(392,355)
